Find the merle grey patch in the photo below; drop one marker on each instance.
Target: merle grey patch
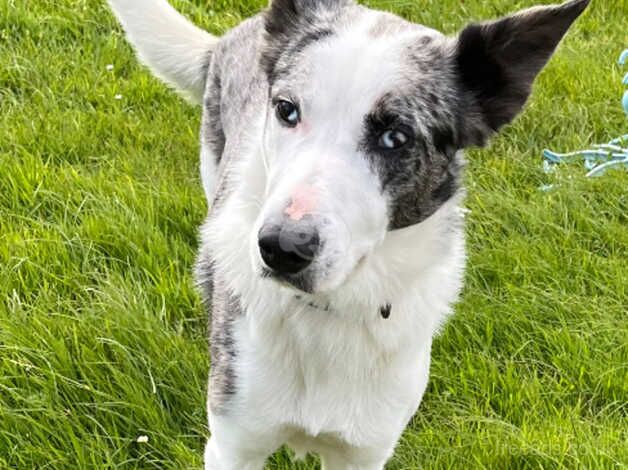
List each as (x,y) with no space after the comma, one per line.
(232,84)
(204,278)
(225,308)
(214,134)
(275,68)
(292,25)
(236,92)
(424,174)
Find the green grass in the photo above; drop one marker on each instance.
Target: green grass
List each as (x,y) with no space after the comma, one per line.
(103,337)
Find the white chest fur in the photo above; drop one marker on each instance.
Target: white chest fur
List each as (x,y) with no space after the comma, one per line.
(347,376)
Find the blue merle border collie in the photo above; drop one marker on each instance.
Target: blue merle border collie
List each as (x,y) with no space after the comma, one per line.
(331,156)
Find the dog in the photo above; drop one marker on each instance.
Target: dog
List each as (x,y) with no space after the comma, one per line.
(332,147)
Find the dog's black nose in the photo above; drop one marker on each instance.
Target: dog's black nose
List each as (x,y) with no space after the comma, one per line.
(288,248)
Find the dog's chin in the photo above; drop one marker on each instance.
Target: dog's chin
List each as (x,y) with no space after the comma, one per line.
(300,283)
(312,283)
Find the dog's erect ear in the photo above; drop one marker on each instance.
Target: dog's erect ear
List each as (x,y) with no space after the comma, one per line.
(173,48)
(498,61)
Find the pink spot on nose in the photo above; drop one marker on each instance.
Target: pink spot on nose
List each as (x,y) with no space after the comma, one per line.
(303,202)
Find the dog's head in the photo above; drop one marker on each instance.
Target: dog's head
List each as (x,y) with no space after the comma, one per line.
(367,117)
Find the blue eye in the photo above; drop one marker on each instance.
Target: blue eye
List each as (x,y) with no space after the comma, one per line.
(287,113)
(393,139)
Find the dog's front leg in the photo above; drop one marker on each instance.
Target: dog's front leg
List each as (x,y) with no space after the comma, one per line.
(330,463)
(219,457)
(234,446)
(338,461)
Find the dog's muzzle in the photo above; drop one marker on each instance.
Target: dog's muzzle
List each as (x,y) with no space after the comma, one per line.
(288,247)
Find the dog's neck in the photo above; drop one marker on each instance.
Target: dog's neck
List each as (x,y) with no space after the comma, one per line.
(385,310)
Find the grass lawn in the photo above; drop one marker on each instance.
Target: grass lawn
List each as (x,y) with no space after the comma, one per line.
(102,334)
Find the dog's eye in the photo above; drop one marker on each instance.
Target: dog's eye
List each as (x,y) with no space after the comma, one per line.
(393,139)
(287,113)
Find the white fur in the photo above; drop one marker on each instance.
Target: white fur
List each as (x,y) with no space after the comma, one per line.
(173,48)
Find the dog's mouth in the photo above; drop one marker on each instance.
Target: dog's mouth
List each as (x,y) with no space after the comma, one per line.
(302,290)
(306,284)
(301,282)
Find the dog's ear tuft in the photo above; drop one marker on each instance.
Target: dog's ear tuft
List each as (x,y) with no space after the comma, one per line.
(498,61)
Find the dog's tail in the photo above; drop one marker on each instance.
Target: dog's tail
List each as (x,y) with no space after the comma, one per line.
(173,48)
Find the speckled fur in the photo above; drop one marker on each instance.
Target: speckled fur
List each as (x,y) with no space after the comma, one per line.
(340,369)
